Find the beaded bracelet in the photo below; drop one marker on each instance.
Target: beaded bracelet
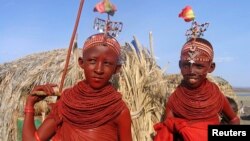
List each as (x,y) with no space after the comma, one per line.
(29,110)
(37,137)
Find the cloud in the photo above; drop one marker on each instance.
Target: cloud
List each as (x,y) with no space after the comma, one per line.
(224,59)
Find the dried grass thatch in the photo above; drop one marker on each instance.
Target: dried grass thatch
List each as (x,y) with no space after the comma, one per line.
(141,81)
(144,89)
(19,77)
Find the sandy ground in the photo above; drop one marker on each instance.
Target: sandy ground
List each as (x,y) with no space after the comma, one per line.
(245,117)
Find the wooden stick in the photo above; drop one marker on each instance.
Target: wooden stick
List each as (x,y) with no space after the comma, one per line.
(71,46)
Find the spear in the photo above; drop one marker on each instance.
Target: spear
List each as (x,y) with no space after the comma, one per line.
(71,45)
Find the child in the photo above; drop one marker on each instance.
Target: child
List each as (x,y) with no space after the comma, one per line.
(234,105)
(92,109)
(196,102)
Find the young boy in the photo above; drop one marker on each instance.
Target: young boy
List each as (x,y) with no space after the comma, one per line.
(196,102)
(234,105)
(92,110)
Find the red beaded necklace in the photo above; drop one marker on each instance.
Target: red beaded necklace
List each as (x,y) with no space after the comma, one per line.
(202,103)
(86,108)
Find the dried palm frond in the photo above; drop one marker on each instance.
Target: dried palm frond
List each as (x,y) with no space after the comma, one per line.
(143,86)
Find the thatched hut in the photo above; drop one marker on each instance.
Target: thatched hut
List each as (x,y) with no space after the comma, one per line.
(144,85)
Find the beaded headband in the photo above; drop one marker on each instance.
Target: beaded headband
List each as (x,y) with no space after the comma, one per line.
(193,48)
(102,40)
(107,28)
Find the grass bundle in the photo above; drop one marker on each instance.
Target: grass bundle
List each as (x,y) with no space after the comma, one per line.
(143,86)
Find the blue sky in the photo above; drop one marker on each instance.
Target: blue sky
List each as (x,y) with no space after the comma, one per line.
(32,26)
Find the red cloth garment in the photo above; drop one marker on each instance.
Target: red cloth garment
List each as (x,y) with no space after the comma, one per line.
(193,110)
(163,133)
(188,130)
(86,114)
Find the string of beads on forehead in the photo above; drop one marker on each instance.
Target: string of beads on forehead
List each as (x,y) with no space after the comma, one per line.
(104,40)
(199,47)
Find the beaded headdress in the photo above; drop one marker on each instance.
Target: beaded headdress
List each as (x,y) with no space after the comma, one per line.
(194,46)
(107,28)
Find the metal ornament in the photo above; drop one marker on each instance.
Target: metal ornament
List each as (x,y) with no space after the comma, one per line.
(196,30)
(107,26)
(192,55)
